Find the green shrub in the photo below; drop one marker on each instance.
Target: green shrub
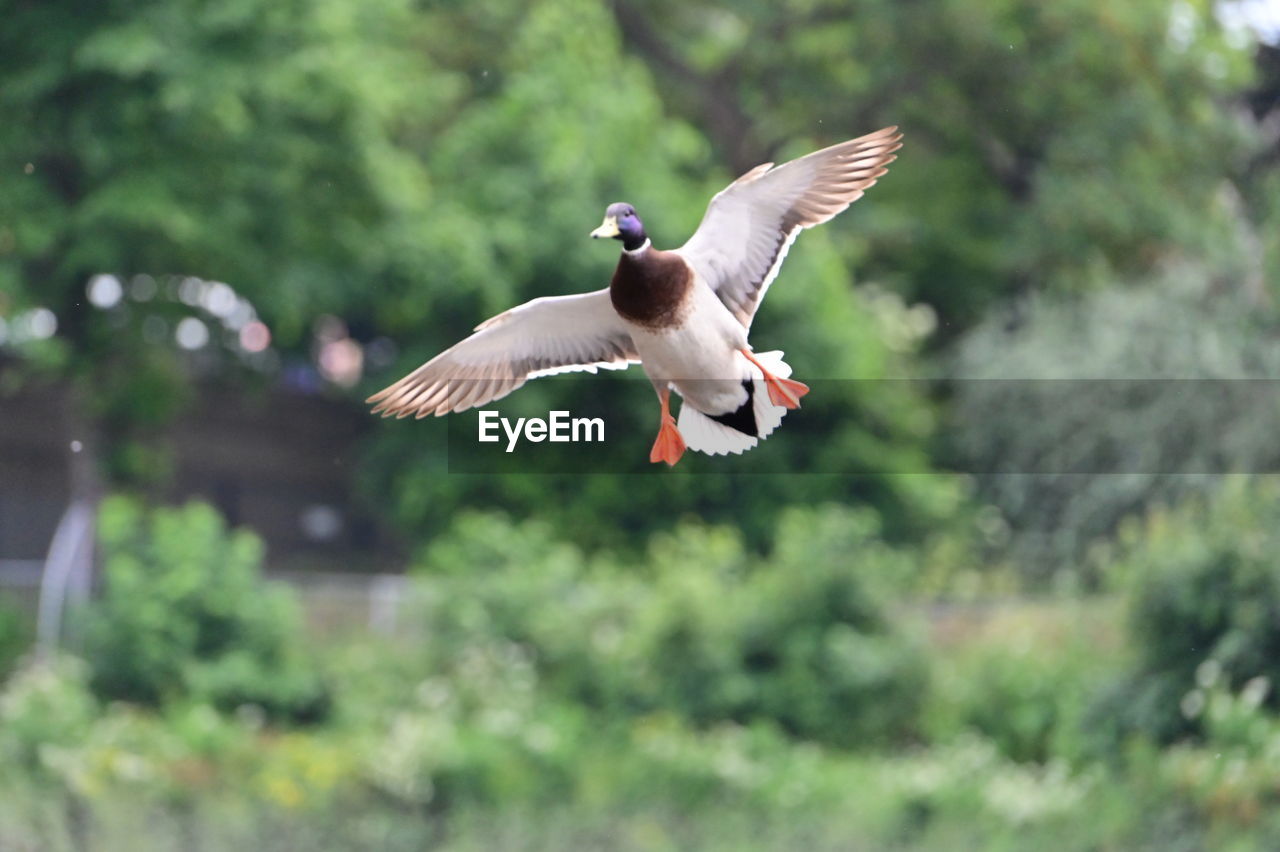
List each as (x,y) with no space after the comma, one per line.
(185,613)
(1022,675)
(44,706)
(1065,462)
(802,638)
(15,637)
(1203,584)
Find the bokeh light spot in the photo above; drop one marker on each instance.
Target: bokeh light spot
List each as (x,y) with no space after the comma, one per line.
(191,333)
(104,291)
(255,337)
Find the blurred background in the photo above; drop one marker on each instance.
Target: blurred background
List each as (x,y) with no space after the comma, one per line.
(941,609)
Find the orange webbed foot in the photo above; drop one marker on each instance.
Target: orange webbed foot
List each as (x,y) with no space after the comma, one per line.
(669,446)
(785,392)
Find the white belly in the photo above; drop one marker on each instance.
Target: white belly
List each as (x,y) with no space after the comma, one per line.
(700,357)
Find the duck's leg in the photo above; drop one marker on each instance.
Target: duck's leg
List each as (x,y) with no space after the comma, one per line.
(669,446)
(784,392)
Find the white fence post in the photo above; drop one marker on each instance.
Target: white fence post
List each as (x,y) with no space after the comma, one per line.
(66,573)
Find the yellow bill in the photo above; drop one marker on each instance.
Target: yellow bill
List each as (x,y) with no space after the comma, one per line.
(609,228)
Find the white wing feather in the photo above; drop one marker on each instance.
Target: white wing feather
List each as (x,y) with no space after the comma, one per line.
(556,334)
(749,226)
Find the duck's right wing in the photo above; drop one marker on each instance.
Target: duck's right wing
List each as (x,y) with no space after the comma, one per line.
(556,334)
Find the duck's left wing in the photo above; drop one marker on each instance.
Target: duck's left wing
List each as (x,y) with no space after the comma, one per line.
(555,334)
(748,227)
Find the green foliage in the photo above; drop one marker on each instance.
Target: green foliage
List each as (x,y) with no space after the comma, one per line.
(1107,153)
(1225,782)
(131,121)
(45,707)
(15,637)
(1074,414)
(743,678)
(802,638)
(184,614)
(418,168)
(258,143)
(1022,676)
(664,786)
(1204,606)
(414,170)
(519,178)
(488,745)
(254,142)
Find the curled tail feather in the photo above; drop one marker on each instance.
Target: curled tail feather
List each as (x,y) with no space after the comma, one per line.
(714,438)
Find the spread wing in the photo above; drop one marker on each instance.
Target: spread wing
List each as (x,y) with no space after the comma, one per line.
(748,227)
(556,334)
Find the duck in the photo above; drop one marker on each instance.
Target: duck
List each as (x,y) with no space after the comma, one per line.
(684,315)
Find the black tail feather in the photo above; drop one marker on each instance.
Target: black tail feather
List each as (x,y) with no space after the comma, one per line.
(744,419)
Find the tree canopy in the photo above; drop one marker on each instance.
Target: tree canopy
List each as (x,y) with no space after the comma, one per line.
(414,168)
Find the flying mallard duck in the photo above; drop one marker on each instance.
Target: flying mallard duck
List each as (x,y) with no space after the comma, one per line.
(683,315)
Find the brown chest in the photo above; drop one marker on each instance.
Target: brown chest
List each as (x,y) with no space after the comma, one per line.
(652,289)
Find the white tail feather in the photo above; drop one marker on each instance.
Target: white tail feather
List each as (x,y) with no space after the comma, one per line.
(712,437)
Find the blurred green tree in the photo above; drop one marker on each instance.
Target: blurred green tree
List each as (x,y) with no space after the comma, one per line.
(185,615)
(254,142)
(312,154)
(806,639)
(1122,398)
(14,636)
(1063,148)
(558,122)
(1204,610)
(1048,145)
(419,168)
